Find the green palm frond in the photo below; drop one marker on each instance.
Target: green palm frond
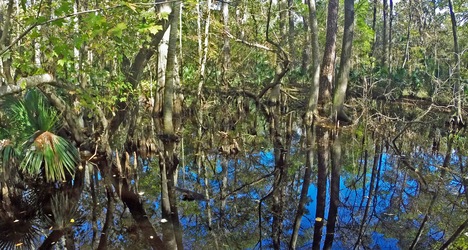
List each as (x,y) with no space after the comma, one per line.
(8,158)
(52,154)
(30,114)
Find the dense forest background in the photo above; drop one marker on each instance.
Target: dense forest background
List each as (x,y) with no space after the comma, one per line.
(235,124)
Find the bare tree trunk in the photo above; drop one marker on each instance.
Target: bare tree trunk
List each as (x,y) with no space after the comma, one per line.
(314,70)
(374,21)
(172,228)
(345,64)
(5,41)
(384,58)
(408,35)
(203,46)
(328,62)
(458,86)
(226,43)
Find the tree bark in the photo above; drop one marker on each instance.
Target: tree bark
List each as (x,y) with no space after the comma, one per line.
(384,58)
(345,64)
(172,228)
(314,70)
(458,86)
(328,62)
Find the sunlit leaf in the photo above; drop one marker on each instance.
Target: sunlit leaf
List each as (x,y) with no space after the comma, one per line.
(154,29)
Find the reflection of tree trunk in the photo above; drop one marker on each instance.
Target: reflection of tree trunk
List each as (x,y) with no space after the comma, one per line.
(52,239)
(135,206)
(322,164)
(223,192)
(310,140)
(278,192)
(107,224)
(377,156)
(424,221)
(334,190)
(455,235)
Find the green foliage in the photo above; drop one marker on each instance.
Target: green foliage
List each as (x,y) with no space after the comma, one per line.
(52,154)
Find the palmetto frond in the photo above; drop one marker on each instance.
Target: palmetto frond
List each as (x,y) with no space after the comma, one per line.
(8,158)
(50,154)
(30,114)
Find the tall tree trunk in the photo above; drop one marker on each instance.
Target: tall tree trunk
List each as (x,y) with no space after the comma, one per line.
(408,35)
(322,164)
(314,70)
(203,41)
(328,62)
(383,59)
(226,43)
(345,63)
(374,21)
(390,34)
(5,41)
(458,86)
(172,228)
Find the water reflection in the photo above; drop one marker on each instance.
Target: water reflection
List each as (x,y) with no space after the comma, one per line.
(385,189)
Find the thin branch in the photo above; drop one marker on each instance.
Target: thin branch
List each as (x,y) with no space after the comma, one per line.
(250,44)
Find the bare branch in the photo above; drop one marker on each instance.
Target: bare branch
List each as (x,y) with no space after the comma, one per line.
(26,83)
(250,44)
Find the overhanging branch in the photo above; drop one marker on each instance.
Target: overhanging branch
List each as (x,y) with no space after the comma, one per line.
(26,83)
